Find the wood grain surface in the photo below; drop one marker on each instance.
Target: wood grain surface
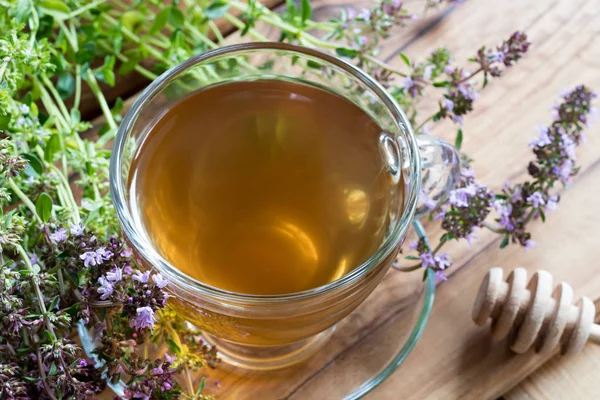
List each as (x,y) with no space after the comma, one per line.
(454,358)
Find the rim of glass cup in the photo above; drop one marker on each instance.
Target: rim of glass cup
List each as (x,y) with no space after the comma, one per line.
(147,251)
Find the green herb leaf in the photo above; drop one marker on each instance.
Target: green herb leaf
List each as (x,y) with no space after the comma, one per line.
(54,303)
(173,347)
(305,11)
(43,207)
(441,84)
(313,64)
(4,121)
(52,147)
(65,85)
(412,258)
(346,52)
(75,116)
(216,9)
(405,59)
(459,139)
(22,11)
(53,368)
(56,8)
(49,335)
(34,167)
(542,215)
(160,20)
(505,241)
(201,386)
(176,18)
(106,73)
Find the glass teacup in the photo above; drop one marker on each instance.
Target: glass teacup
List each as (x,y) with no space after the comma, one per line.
(273,331)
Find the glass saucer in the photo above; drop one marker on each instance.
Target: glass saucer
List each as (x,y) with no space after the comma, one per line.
(365,349)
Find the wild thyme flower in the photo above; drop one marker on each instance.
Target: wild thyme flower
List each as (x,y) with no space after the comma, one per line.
(60,235)
(466,209)
(106,288)
(144,318)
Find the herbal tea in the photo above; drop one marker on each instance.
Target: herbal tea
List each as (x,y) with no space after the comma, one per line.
(264,187)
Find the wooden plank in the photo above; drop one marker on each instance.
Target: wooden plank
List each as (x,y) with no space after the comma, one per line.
(563,378)
(455,359)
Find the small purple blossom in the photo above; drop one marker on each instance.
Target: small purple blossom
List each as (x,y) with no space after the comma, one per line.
(543,139)
(503,208)
(159,281)
(141,277)
(440,276)
(427,201)
(115,275)
(170,359)
(105,289)
(441,261)
(552,203)
(144,318)
(126,253)
(459,198)
(536,199)
(448,105)
(427,260)
(89,258)
(76,229)
(59,235)
(470,237)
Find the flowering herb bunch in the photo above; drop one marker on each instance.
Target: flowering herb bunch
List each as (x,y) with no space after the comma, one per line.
(65,269)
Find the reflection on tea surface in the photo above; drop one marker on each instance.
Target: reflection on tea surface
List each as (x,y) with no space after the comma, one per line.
(264,187)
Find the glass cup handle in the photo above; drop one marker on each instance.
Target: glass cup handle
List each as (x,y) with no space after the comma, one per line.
(440,163)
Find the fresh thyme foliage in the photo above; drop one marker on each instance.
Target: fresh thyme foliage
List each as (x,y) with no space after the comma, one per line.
(62,258)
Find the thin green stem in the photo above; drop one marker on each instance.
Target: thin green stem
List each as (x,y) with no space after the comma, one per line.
(493,228)
(200,36)
(188,380)
(93,84)
(3,68)
(57,99)
(67,193)
(85,8)
(23,197)
(385,65)
(216,31)
(77,99)
(469,77)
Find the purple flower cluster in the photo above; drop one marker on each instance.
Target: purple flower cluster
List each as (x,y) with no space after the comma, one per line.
(118,284)
(460,95)
(11,385)
(466,209)
(10,165)
(152,380)
(431,259)
(554,148)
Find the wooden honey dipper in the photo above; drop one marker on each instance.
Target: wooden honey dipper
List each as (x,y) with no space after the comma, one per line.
(541,316)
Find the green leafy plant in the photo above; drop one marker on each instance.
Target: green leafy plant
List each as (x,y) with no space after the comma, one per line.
(57,220)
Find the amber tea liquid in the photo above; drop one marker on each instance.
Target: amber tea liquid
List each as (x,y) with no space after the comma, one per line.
(263,187)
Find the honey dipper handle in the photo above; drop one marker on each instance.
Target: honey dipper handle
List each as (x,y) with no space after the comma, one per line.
(595,334)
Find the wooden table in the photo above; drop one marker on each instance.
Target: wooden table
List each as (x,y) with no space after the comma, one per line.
(454,358)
